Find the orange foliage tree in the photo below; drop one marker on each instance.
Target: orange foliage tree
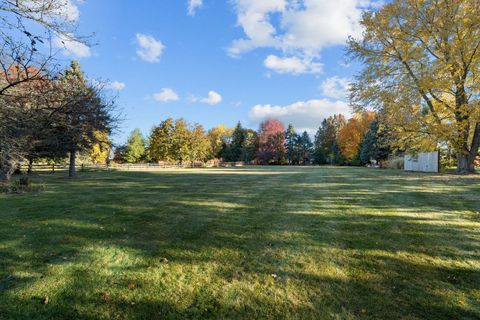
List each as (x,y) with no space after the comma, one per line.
(350,136)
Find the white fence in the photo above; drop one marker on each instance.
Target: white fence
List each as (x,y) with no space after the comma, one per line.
(422,162)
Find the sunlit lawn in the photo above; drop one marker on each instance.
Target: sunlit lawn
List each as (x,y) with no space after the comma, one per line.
(259,242)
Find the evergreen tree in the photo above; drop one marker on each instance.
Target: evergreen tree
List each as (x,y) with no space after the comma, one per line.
(291,140)
(235,149)
(135,148)
(326,146)
(249,146)
(373,146)
(304,147)
(83,113)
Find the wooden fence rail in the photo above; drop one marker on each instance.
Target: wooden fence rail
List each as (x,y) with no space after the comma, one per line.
(127,166)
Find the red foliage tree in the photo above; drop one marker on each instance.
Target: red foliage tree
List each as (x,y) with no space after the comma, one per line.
(271,142)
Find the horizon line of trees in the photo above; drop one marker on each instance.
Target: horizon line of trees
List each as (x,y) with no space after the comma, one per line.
(338,141)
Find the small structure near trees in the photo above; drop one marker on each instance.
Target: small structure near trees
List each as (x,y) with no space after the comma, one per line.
(423,162)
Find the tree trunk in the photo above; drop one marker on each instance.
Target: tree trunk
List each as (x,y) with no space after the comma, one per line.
(466,160)
(7,168)
(464,165)
(71,168)
(30,166)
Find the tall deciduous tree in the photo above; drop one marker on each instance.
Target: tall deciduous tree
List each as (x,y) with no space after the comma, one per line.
(135,148)
(181,141)
(350,136)
(26,27)
(100,149)
(199,144)
(218,137)
(271,142)
(161,143)
(422,69)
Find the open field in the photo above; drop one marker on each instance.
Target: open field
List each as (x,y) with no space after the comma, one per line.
(255,242)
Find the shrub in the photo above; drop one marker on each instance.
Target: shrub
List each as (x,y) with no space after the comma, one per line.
(22,185)
(395,163)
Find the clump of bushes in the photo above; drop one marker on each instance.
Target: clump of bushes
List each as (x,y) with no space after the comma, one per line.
(395,163)
(22,185)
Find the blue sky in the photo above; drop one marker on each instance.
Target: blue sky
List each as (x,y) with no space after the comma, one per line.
(219,62)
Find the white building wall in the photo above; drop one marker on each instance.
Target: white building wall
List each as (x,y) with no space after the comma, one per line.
(423,162)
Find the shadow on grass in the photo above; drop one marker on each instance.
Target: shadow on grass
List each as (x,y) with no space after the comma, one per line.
(392,245)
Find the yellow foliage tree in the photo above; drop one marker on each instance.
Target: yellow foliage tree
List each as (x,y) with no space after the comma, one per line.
(98,153)
(218,136)
(350,136)
(421,73)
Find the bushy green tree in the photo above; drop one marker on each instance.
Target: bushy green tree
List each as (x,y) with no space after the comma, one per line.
(161,142)
(219,137)
(199,145)
(135,148)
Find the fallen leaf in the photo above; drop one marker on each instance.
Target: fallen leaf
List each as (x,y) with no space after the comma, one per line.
(105,296)
(164,260)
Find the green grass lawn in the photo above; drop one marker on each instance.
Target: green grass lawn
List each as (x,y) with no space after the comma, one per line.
(254,242)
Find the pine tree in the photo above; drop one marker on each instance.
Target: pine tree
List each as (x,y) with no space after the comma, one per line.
(83,112)
(237,143)
(305,148)
(249,146)
(373,145)
(326,146)
(291,141)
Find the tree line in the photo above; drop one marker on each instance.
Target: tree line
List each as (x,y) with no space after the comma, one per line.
(357,141)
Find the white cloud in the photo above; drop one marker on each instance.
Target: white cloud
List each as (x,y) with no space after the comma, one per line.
(149,49)
(71,46)
(213,98)
(64,10)
(297,28)
(70,11)
(335,87)
(304,115)
(193,5)
(166,95)
(116,85)
(292,65)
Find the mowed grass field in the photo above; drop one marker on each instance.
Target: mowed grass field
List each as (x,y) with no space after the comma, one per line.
(246,243)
